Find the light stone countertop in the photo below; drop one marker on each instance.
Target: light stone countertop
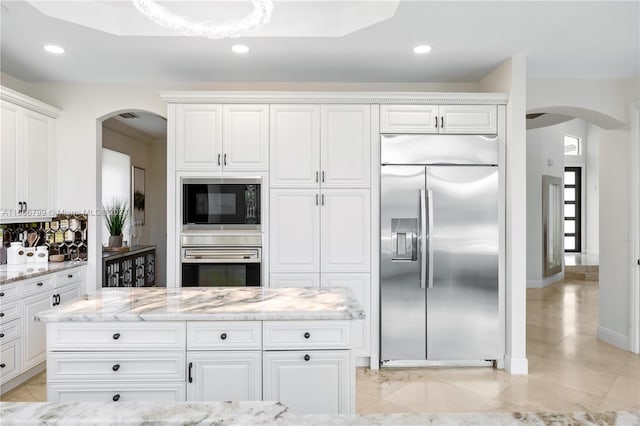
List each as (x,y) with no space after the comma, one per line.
(208,304)
(270,413)
(11,273)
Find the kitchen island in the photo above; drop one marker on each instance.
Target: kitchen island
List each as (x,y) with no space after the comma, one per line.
(290,345)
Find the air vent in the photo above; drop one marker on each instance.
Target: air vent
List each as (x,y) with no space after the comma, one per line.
(128,115)
(536,115)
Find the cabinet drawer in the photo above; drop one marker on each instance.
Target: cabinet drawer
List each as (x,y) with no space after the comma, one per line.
(9,311)
(98,366)
(408,118)
(69,276)
(9,360)
(8,292)
(9,330)
(37,285)
(116,391)
(110,336)
(306,335)
(227,335)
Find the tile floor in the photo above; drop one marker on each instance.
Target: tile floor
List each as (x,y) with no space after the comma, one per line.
(569,369)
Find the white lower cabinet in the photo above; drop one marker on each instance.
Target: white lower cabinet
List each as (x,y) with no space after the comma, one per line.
(224,376)
(9,360)
(115,391)
(33,344)
(309,382)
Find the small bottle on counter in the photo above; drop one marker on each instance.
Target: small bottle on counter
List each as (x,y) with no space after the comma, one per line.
(16,254)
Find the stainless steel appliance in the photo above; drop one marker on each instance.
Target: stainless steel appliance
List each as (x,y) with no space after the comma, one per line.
(439,279)
(221,260)
(221,203)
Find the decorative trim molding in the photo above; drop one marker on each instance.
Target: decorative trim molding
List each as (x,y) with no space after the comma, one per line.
(516,365)
(463,98)
(19,99)
(615,338)
(547,281)
(634,304)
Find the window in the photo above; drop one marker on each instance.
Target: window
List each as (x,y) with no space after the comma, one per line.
(572,145)
(572,210)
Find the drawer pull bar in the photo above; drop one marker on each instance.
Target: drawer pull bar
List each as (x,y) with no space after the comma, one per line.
(70,276)
(307,357)
(223,336)
(3,365)
(116,367)
(307,335)
(116,336)
(40,284)
(190,368)
(116,397)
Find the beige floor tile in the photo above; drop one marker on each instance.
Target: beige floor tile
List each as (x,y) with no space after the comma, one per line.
(39,391)
(498,406)
(632,368)
(385,407)
(625,389)
(437,397)
(486,382)
(573,375)
(610,404)
(19,394)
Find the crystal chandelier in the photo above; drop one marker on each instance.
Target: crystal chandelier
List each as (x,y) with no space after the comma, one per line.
(260,15)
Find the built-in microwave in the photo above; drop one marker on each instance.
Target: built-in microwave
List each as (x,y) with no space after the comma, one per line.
(221,203)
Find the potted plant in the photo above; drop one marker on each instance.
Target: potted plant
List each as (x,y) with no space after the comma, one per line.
(116,215)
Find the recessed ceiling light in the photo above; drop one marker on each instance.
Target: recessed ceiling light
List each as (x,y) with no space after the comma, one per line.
(240,48)
(423,48)
(52,48)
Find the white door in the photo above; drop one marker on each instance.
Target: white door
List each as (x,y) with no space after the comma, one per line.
(37,128)
(408,119)
(312,382)
(198,137)
(345,230)
(294,280)
(245,137)
(295,230)
(360,285)
(295,146)
(33,337)
(346,146)
(9,160)
(469,119)
(224,376)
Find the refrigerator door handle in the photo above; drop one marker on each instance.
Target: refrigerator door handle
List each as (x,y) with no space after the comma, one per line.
(429,232)
(423,239)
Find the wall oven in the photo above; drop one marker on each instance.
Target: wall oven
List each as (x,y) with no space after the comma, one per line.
(221,260)
(221,203)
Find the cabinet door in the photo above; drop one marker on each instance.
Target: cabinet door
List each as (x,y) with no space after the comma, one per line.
(295,146)
(469,119)
(360,284)
(33,339)
(198,137)
(294,280)
(295,230)
(346,230)
(224,376)
(37,128)
(9,161)
(313,382)
(346,146)
(69,292)
(245,138)
(408,119)
(9,360)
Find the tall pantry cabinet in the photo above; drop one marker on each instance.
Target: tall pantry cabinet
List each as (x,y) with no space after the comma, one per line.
(320,182)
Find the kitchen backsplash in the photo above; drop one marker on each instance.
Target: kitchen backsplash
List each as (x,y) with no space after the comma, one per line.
(65,234)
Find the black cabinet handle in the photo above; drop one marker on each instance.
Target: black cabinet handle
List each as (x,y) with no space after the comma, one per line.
(116,367)
(307,335)
(190,368)
(218,159)
(70,276)
(3,365)
(1,335)
(59,301)
(225,159)
(436,121)
(1,314)
(223,336)
(20,207)
(116,336)
(307,357)
(40,284)
(116,397)
(1,294)
(442,122)
(25,207)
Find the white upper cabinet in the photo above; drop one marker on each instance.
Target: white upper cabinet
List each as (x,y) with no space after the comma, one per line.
(346,146)
(295,146)
(9,159)
(222,137)
(36,146)
(443,119)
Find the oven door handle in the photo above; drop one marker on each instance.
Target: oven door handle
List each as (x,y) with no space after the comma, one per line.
(221,256)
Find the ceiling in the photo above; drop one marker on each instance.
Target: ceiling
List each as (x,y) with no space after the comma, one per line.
(323,41)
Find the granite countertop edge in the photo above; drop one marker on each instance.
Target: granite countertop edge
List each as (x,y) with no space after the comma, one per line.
(51,268)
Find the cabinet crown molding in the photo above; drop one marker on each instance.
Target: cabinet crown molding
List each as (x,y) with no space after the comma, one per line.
(452,98)
(25,101)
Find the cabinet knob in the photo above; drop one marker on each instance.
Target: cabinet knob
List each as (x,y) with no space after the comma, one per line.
(115,367)
(40,284)
(3,365)
(1,294)
(116,336)
(307,335)
(307,357)
(223,336)
(70,276)
(116,397)
(1,314)
(1,335)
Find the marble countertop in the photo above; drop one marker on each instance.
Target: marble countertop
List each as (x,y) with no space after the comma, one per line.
(270,413)
(10,273)
(110,255)
(213,304)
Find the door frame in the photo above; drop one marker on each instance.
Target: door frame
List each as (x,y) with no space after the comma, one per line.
(635,227)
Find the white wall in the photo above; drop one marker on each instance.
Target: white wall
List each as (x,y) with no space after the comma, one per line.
(592,191)
(116,185)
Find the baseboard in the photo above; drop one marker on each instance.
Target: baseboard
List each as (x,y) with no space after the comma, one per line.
(547,281)
(21,378)
(516,365)
(363,361)
(616,339)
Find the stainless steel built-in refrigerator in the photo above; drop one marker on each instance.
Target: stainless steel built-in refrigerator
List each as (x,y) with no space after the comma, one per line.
(439,295)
